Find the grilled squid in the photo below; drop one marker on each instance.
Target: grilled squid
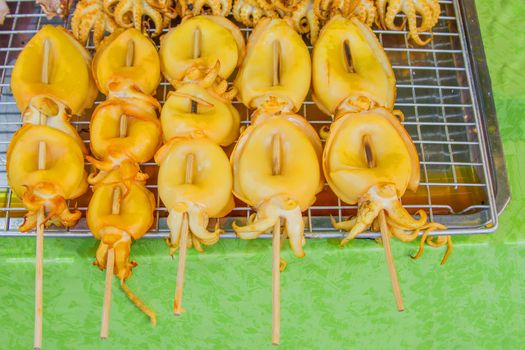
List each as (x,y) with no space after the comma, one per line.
(195,179)
(62,178)
(68,72)
(290,141)
(369,159)
(219,40)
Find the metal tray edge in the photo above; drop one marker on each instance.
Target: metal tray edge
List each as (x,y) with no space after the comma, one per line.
(483,89)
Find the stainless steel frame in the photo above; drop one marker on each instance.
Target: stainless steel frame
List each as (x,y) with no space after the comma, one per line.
(443,89)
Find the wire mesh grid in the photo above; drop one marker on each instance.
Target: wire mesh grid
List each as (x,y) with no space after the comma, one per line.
(434,91)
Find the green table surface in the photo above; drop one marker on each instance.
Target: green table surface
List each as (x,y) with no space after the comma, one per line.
(333,299)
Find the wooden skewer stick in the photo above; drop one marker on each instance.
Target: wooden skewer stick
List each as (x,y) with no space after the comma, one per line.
(276,283)
(197,38)
(40,218)
(385,236)
(39,277)
(110,262)
(39,258)
(276,80)
(390,261)
(123,126)
(45,62)
(130,54)
(183,245)
(276,241)
(276,251)
(347,56)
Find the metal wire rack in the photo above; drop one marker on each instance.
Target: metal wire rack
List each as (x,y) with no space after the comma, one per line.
(435,90)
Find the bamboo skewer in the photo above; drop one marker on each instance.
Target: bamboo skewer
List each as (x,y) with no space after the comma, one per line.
(39,277)
(130,54)
(110,262)
(190,159)
(385,235)
(276,63)
(276,283)
(390,262)
(197,39)
(40,219)
(276,251)
(183,245)
(276,240)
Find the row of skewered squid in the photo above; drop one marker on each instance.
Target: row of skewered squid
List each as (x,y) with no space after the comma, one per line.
(307,16)
(369,158)
(125,132)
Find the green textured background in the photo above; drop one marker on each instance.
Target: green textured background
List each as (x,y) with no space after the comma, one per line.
(333,299)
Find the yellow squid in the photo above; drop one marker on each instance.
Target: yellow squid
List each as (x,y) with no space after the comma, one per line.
(69,74)
(219,40)
(90,14)
(254,79)
(194,179)
(203,107)
(125,132)
(274,79)
(369,159)
(116,223)
(289,140)
(142,72)
(45,158)
(429,10)
(63,177)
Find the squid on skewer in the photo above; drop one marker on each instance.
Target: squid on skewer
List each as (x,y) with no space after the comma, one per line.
(271,140)
(274,40)
(138,65)
(274,78)
(353,79)
(219,40)
(119,213)
(195,179)
(69,75)
(203,107)
(45,158)
(125,131)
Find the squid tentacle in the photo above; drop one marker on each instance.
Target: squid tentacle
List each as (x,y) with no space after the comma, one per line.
(412,25)
(402,218)
(345,225)
(198,222)
(120,12)
(174,222)
(439,243)
(294,227)
(367,211)
(156,17)
(392,11)
(256,228)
